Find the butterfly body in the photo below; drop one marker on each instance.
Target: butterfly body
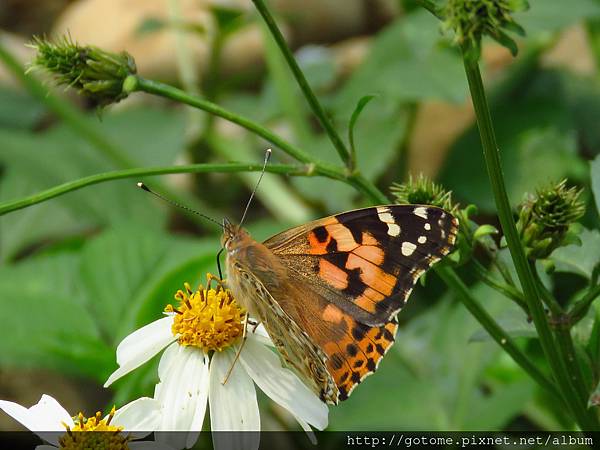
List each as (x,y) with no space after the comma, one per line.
(328,291)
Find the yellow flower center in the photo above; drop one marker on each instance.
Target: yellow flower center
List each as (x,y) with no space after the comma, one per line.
(209,319)
(110,436)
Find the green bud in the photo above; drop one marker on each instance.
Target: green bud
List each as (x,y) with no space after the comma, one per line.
(546,219)
(423,191)
(91,71)
(472,19)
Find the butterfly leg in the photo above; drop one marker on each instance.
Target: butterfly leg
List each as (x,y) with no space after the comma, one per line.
(237,354)
(254,324)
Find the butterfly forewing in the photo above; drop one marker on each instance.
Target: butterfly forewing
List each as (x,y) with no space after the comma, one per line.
(367,261)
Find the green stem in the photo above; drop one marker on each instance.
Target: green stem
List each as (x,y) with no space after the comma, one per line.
(492,160)
(449,276)
(580,309)
(306,89)
(70,186)
(505,289)
(136,83)
(572,363)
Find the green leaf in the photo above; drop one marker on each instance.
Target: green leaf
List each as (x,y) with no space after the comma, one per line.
(18,110)
(114,267)
(579,259)
(355,115)
(38,161)
(22,228)
(548,16)
(595,177)
(500,406)
(514,323)
(47,323)
(538,139)
(383,128)
(406,62)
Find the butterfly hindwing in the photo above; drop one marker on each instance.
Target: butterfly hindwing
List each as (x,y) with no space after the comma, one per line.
(367,261)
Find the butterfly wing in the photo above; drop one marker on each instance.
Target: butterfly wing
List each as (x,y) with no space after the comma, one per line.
(366,262)
(353,350)
(327,291)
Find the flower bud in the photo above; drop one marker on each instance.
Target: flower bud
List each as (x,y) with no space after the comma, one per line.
(423,191)
(472,19)
(95,73)
(546,218)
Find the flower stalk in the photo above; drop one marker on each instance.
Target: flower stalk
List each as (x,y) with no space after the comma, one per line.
(310,96)
(532,296)
(136,173)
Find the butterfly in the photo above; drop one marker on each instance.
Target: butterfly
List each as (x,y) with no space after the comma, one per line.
(328,291)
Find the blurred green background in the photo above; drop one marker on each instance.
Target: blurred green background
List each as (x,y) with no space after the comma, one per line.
(80,272)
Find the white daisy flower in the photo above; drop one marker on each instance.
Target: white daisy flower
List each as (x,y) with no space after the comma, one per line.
(202,337)
(53,424)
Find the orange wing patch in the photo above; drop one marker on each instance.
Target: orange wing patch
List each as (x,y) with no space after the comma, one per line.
(372,275)
(336,277)
(356,354)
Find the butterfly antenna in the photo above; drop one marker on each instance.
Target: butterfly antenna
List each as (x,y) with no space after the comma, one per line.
(185,208)
(262,172)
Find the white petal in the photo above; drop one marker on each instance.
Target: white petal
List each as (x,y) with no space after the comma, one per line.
(233,405)
(45,415)
(140,346)
(282,385)
(198,419)
(45,447)
(260,334)
(142,416)
(182,394)
(49,414)
(19,413)
(166,359)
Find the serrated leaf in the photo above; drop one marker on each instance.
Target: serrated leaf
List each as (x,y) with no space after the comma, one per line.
(580,259)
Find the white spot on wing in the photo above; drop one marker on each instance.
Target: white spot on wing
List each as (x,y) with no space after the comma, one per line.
(421,211)
(422,239)
(427,226)
(393,229)
(386,217)
(408,248)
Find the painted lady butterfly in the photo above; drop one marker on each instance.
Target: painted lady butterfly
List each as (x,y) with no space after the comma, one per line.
(328,291)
